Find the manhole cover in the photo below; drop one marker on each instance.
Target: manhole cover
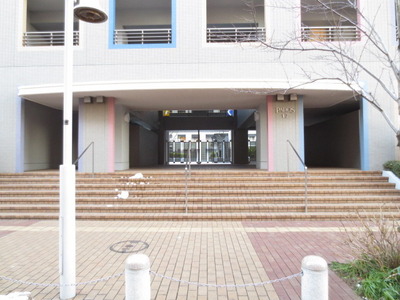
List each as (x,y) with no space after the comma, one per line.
(129,246)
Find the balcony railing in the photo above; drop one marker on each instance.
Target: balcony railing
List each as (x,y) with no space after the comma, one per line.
(143,36)
(330,33)
(235,34)
(46,38)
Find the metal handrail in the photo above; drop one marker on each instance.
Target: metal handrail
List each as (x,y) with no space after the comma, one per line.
(330,33)
(84,151)
(235,34)
(143,36)
(187,174)
(46,38)
(305,173)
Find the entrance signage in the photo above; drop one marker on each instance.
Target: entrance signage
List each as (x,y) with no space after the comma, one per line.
(284,112)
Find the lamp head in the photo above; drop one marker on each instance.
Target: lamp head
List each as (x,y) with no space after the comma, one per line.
(90,11)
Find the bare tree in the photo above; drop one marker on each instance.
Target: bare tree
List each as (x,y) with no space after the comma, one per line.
(373,59)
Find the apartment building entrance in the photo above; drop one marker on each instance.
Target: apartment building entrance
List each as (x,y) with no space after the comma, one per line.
(199,146)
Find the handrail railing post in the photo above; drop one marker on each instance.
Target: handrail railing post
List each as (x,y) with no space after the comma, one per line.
(305,173)
(84,151)
(186,189)
(190,158)
(287,158)
(306,190)
(93,159)
(187,173)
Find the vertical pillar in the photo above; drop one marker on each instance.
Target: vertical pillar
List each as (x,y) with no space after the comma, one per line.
(67,260)
(97,123)
(20,138)
(300,122)
(263,137)
(364,135)
(271,130)
(285,122)
(110,134)
(121,137)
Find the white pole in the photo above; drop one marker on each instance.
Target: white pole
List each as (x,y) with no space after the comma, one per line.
(67,259)
(314,283)
(137,277)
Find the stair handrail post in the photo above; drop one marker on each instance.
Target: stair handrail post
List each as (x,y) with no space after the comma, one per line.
(186,190)
(287,159)
(306,189)
(83,152)
(305,173)
(190,158)
(93,160)
(187,174)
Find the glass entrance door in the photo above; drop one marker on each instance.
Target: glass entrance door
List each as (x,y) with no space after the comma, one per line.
(199,146)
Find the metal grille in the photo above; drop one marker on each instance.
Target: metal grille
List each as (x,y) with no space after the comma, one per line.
(47,38)
(330,34)
(235,34)
(143,36)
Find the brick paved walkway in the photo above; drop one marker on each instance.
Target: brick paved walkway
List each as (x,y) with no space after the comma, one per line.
(206,252)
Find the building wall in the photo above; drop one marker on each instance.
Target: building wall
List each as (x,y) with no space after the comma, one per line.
(192,60)
(201,123)
(42,138)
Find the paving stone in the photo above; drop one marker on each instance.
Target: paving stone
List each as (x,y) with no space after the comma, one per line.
(212,252)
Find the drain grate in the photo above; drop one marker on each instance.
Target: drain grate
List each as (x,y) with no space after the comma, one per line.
(131,246)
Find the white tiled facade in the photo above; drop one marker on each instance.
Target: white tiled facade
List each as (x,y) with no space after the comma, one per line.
(187,73)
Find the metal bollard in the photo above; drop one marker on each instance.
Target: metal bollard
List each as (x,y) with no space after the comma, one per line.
(137,277)
(314,283)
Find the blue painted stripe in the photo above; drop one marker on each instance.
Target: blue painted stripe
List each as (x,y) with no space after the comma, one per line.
(364,135)
(111,26)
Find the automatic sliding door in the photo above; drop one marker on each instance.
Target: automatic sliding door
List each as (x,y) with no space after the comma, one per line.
(205,146)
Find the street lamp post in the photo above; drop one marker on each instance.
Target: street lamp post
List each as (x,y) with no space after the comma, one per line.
(67,249)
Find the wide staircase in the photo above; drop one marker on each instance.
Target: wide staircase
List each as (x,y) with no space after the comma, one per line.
(204,195)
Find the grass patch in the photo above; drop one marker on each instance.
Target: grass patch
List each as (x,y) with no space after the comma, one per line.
(394,166)
(369,281)
(374,272)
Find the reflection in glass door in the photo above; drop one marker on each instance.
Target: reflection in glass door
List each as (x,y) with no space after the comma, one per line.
(205,146)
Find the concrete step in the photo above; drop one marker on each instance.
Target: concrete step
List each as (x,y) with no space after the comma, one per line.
(201,208)
(209,216)
(219,195)
(155,192)
(195,186)
(213,199)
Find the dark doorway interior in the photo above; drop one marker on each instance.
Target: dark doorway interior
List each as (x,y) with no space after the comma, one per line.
(332,136)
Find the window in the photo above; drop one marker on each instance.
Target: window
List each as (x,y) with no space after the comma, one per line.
(143,24)
(44,24)
(328,20)
(235,21)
